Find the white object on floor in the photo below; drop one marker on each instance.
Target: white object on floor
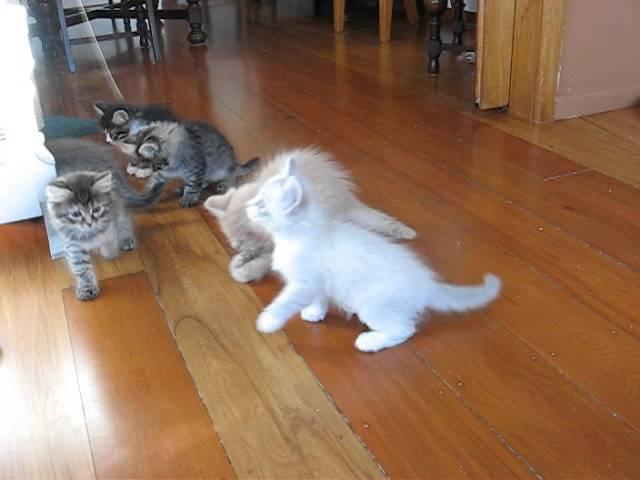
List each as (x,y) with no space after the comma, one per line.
(25,164)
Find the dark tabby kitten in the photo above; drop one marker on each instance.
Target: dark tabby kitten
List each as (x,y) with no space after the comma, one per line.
(193,151)
(119,120)
(87,205)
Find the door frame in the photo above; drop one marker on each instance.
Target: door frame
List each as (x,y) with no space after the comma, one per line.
(518,56)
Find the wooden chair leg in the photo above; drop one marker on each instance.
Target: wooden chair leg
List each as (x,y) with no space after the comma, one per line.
(153,26)
(458,21)
(65,37)
(386,11)
(435,8)
(338,15)
(411,9)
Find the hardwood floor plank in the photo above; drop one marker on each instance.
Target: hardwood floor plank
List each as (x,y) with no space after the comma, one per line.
(42,433)
(126,263)
(609,150)
(273,418)
(144,416)
(537,411)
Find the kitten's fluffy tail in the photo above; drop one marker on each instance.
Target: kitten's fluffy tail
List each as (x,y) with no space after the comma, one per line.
(247,168)
(146,199)
(453,298)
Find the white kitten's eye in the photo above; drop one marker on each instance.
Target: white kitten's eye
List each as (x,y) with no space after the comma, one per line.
(97,210)
(76,214)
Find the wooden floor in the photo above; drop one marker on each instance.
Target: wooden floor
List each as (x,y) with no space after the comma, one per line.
(164,375)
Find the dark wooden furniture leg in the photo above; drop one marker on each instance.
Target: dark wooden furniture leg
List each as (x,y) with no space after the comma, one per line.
(153,25)
(141,26)
(65,37)
(194,17)
(124,9)
(458,21)
(435,9)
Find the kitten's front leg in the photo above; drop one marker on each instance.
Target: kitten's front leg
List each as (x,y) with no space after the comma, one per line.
(317,310)
(247,269)
(290,301)
(191,193)
(79,261)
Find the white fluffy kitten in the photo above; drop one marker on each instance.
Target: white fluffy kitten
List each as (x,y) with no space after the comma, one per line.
(334,191)
(324,260)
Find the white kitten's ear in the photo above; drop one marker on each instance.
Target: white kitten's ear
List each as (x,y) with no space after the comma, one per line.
(102,183)
(291,195)
(100,108)
(149,149)
(120,117)
(58,192)
(289,168)
(217,204)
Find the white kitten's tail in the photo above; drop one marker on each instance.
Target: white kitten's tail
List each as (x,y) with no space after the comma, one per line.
(380,222)
(453,298)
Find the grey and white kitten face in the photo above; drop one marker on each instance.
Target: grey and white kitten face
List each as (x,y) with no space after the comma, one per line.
(150,146)
(81,204)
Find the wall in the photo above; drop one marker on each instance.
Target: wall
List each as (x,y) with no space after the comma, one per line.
(600,57)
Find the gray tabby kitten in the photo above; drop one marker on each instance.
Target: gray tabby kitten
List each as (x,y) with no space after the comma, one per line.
(119,120)
(87,205)
(193,151)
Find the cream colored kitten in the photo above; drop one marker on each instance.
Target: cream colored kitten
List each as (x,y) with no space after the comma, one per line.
(334,191)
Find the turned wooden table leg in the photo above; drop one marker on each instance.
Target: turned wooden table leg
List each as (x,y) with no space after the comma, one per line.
(141,26)
(435,9)
(196,35)
(458,21)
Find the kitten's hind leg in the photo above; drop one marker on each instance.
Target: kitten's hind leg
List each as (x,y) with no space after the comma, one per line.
(374,341)
(110,248)
(316,311)
(380,222)
(126,237)
(389,325)
(79,261)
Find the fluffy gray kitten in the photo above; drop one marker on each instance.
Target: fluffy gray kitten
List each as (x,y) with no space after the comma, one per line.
(119,120)
(87,204)
(335,192)
(193,151)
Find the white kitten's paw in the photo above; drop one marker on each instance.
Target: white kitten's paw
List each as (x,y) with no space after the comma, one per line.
(144,172)
(313,313)
(376,341)
(132,169)
(267,323)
